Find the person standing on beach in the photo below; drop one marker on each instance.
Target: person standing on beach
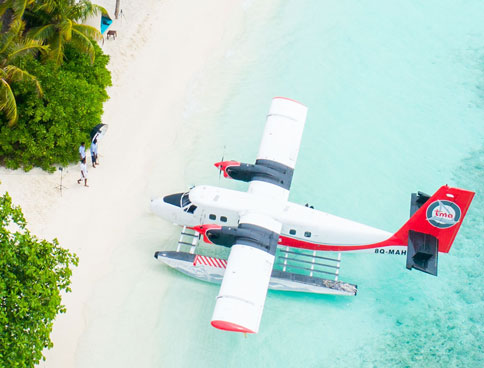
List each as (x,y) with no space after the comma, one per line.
(82,151)
(83,172)
(94,152)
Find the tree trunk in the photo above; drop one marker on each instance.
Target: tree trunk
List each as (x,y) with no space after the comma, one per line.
(6,19)
(116,10)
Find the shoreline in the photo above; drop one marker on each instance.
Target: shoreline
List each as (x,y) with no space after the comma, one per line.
(156,56)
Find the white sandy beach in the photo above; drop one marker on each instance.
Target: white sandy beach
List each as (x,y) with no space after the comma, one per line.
(161,46)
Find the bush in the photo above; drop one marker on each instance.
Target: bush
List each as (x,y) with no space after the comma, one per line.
(33,273)
(51,128)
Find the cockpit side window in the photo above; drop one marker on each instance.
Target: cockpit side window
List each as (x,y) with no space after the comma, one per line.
(186,204)
(185,200)
(191,209)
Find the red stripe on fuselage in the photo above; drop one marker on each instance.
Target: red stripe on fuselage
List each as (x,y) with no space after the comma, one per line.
(298,243)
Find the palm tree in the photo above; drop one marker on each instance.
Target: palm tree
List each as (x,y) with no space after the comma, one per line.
(11,10)
(11,49)
(59,26)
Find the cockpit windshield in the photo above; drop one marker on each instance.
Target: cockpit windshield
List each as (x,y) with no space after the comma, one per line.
(181,200)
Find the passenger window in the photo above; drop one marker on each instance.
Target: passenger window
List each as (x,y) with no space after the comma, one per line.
(212,217)
(292,232)
(223,218)
(307,234)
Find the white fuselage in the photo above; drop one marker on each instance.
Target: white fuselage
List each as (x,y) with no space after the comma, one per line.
(302,226)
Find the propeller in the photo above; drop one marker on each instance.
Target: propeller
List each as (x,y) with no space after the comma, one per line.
(220,167)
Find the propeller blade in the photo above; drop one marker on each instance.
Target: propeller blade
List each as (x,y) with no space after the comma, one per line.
(220,167)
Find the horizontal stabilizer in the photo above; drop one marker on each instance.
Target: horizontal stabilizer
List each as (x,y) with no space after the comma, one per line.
(422,252)
(418,200)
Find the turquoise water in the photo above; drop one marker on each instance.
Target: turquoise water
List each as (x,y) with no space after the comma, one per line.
(394,91)
(395,97)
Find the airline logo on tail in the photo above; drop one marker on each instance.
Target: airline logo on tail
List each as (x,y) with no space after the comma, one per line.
(443,214)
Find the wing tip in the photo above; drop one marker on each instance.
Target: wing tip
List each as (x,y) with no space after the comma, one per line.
(289,99)
(229,326)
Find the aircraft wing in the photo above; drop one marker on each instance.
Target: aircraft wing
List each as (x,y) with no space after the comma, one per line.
(242,295)
(279,148)
(253,243)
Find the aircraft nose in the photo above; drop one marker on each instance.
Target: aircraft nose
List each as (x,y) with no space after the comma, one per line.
(159,207)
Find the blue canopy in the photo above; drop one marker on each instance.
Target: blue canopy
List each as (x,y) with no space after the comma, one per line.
(105,23)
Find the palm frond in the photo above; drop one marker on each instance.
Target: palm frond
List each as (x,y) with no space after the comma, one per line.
(51,4)
(7,103)
(88,31)
(65,28)
(4,6)
(48,6)
(56,52)
(84,9)
(6,42)
(27,47)
(16,27)
(44,33)
(84,43)
(15,74)
(19,6)
(99,9)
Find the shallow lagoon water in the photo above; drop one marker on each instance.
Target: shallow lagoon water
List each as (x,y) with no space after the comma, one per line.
(395,97)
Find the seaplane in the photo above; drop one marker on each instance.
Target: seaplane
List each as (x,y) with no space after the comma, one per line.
(274,243)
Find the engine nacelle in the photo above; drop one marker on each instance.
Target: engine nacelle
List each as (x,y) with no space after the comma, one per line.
(244,234)
(263,170)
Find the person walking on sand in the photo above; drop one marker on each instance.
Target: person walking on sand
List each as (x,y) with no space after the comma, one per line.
(83,172)
(94,152)
(82,151)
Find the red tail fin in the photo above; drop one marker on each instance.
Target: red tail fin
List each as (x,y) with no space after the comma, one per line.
(440,215)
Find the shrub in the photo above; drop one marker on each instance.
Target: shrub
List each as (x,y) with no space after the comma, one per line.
(51,128)
(33,273)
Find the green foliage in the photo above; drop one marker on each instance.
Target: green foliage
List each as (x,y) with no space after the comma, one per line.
(56,24)
(49,130)
(33,273)
(12,48)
